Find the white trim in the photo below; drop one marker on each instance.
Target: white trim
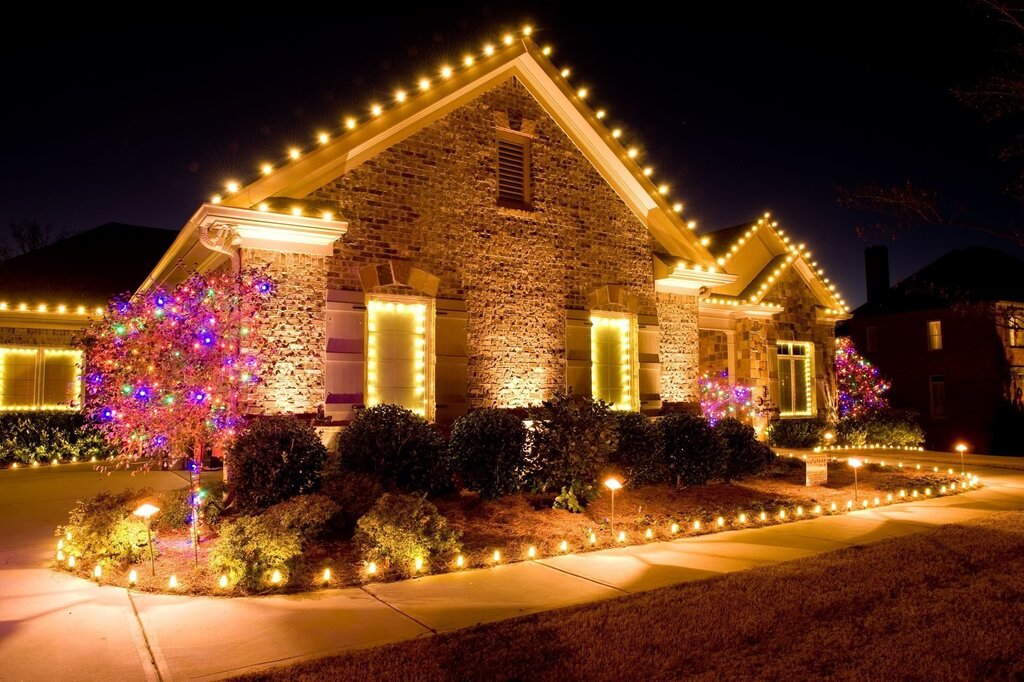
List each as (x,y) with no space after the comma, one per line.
(273,231)
(691,282)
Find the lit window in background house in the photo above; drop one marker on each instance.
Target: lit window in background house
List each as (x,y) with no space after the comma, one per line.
(934,335)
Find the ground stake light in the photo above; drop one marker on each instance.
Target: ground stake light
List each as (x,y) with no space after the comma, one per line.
(145,511)
(613,484)
(855,464)
(961,448)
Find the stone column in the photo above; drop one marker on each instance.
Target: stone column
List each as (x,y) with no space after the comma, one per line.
(678,349)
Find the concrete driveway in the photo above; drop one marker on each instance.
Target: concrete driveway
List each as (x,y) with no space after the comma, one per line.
(60,627)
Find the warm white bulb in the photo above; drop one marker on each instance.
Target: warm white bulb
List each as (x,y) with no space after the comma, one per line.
(446,72)
(231,187)
(424,84)
(294,152)
(376,109)
(266,169)
(546,51)
(468,60)
(565,73)
(400,96)
(323,138)
(488,49)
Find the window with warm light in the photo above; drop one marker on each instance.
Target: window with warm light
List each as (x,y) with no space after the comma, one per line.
(40,379)
(613,360)
(1016,331)
(934,335)
(397,354)
(796,378)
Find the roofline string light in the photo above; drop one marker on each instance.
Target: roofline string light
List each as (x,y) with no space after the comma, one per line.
(794,251)
(44,308)
(401,96)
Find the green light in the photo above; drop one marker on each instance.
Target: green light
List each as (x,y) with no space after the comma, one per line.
(126,389)
(119,329)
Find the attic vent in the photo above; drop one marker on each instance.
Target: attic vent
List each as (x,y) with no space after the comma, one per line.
(513,170)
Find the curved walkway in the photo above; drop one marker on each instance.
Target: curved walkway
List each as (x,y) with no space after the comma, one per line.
(56,625)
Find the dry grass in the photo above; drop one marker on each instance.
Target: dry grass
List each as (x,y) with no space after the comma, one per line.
(515,523)
(944,604)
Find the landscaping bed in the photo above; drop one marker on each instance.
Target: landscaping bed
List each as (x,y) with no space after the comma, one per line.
(515,523)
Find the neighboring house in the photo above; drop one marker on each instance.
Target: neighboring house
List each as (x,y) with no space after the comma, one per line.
(48,295)
(487,241)
(950,338)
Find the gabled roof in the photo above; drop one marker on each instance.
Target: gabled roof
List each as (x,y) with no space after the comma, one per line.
(971,275)
(759,253)
(84,269)
(306,170)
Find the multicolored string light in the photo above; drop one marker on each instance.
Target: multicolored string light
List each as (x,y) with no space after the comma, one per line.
(720,399)
(860,387)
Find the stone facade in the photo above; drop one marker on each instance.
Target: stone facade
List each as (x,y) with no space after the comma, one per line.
(293,333)
(714,352)
(678,340)
(798,322)
(430,200)
(28,336)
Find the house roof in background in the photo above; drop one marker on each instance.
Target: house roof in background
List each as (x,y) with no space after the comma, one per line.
(86,268)
(971,275)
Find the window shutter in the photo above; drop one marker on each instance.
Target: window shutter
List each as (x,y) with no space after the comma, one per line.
(514,170)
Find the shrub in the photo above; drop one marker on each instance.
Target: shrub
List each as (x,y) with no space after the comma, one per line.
(639,450)
(694,452)
(488,449)
(103,529)
(744,454)
(897,428)
(399,447)
(354,493)
(575,496)
(250,548)
(796,433)
(573,438)
(402,528)
(275,458)
(311,516)
(29,436)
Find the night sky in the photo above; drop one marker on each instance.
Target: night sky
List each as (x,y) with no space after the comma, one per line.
(741,109)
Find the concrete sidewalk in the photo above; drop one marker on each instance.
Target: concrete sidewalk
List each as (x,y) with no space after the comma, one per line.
(111,633)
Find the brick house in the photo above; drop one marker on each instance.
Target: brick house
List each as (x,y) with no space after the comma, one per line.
(48,295)
(950,337)
(487,241)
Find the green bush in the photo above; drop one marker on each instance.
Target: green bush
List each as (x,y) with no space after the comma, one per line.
(275,458)
(43,436)
(103,530)
(488,449)
(639,452)
(744,454)
(397,446)
(895,428)
(354,493)
(402,528)
(311,516)
(575,496)
(250,548)
(694,451)
(573,439)
(796,433)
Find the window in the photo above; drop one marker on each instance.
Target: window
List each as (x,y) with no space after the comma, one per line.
(872,339)
(40,379)
(935,335)
(613,359)
(1016,326)
(513,169)
(796,386)
(937,396)
(397,371)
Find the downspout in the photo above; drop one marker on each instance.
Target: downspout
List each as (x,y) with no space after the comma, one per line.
(231,248)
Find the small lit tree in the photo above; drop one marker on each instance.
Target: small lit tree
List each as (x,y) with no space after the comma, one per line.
(720,399)
(860,387)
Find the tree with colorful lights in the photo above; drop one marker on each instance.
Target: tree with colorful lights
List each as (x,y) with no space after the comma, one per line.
(720,399)
(168,369)
(860,386)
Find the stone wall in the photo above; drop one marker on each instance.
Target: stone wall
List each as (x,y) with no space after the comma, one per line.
(678,341)
(714,352)
(26,336)
(292,333)
(798,322)
(752,358)
(431,201)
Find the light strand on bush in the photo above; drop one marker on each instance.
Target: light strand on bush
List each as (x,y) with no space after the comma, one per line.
(720,399)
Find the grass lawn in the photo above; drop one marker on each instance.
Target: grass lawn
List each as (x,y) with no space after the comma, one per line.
(942,604)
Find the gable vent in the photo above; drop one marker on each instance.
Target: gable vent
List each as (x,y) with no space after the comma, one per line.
(513,170)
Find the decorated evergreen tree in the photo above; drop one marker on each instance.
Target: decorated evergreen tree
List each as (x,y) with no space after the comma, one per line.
(860,386)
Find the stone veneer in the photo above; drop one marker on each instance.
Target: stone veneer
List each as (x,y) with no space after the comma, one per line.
(798,322)
(292,333)
(678,341)
(714,352)
(430,200)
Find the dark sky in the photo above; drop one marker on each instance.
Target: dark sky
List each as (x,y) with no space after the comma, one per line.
(743,108)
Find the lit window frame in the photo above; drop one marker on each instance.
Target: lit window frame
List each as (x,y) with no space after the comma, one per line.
(425,354)
(40,354)
(808,378)
(934,334)
(1015,327)
(627,325)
